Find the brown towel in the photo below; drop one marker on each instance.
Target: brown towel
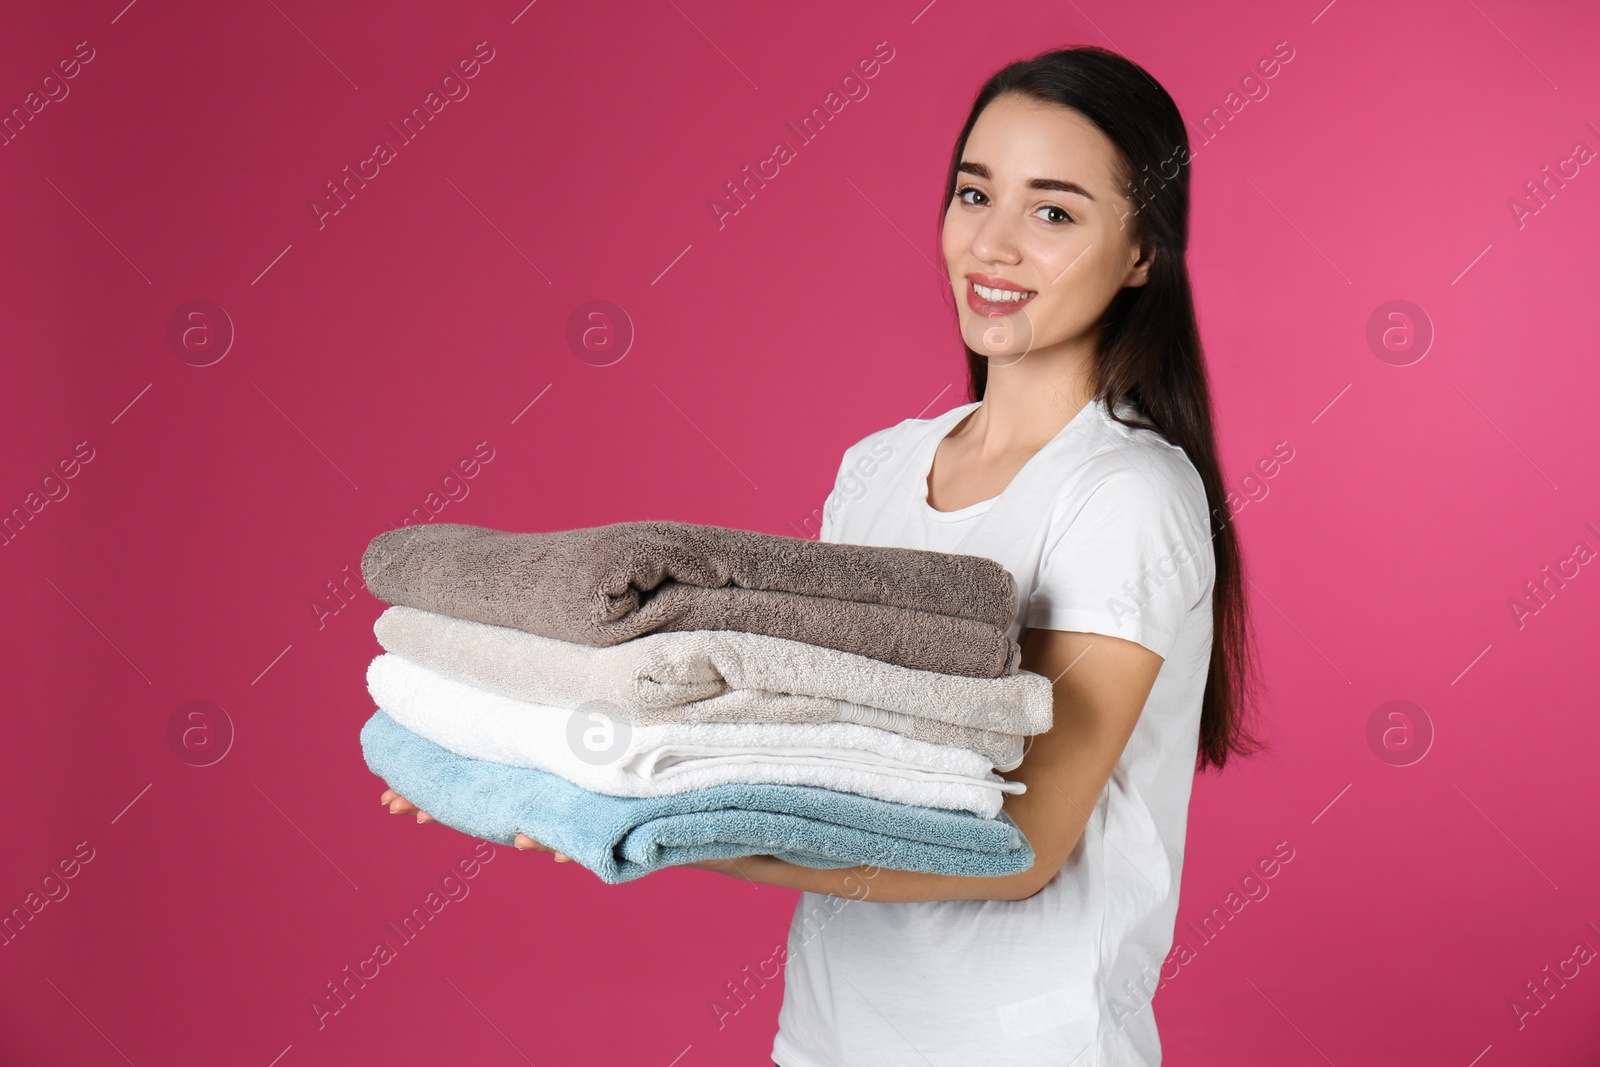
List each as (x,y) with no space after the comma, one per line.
(602,585)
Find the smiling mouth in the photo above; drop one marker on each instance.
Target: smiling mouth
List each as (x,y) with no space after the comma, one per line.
(990,302)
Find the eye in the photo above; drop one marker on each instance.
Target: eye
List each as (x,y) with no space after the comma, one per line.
(961,194)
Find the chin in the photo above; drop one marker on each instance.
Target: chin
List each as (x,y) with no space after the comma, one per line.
(1015,333)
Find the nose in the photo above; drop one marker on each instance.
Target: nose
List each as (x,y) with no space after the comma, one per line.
(995,240)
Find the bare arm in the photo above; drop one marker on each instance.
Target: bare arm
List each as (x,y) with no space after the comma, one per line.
(1101,684)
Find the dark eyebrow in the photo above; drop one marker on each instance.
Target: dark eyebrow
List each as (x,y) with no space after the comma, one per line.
(1047,184)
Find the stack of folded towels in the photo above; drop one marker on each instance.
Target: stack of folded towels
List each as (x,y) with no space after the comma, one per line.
(646,694)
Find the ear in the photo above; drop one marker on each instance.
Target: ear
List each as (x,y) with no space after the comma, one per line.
(1139,269)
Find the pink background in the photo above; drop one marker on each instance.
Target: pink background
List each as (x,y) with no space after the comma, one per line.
(189,556)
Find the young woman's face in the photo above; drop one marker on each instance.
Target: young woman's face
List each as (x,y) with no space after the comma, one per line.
(1038,208)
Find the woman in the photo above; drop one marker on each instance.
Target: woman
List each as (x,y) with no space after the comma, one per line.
(1065,223)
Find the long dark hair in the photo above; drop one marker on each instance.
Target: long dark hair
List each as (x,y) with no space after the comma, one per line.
(1149,348)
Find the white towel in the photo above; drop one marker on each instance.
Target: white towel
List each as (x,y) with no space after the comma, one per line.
(729,676)
(606,753)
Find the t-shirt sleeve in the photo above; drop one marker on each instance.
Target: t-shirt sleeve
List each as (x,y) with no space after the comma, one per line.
(861,464)
(1131,563)
(837,496)
(829,506)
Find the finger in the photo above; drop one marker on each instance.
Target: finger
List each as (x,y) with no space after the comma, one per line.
(526,843)
(423,816)
(400,806)
(563,859)
(388,795)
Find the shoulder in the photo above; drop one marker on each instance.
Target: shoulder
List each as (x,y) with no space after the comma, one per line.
(1135,463)
(901,435)
(1136,476)
(1128,550)
(887,447)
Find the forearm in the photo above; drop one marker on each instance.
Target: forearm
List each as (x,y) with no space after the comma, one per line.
(1067,769)
(881,884)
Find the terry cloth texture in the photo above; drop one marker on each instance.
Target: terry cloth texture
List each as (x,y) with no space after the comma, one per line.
(623,838)
(729,676)
(602,585)
(594,748)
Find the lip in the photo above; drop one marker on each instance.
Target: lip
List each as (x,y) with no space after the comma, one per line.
(990,309)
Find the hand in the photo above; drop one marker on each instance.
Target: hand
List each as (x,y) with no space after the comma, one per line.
(398,805)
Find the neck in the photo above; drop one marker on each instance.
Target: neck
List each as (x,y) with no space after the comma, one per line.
(1027,401)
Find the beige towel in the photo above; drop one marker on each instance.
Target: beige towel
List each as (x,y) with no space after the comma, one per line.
(729,676)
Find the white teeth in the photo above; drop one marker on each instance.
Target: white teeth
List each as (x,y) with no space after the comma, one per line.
(1000,296)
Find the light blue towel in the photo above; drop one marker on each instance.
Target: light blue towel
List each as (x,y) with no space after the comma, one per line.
(623,838)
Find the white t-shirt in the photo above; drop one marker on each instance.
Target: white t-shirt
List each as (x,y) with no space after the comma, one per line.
(1064,977)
